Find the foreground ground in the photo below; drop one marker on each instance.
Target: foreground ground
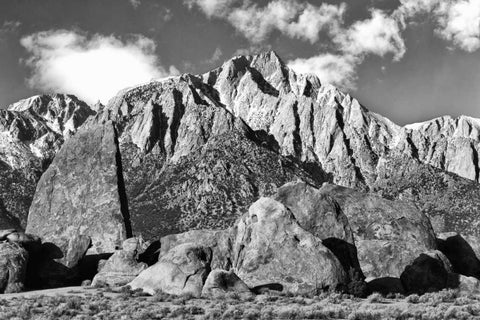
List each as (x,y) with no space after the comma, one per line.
(118,304)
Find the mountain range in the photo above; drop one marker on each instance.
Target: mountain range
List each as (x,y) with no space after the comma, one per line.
(194,151)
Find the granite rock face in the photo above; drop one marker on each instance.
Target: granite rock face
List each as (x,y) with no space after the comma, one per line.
(13,267)
(389,235)
(318,213)
(183,270)
(80,193)
(268,245)
(220,282)
(122,267)
(31,133)
(194,151)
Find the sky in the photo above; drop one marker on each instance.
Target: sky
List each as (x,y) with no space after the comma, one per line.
(409,60)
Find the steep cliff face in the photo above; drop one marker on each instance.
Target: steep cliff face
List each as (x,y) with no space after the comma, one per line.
(445,143)
(31,132)
(195,150)
(184,162)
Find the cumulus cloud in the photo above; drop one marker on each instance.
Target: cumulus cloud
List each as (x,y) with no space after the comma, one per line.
(379,35)
(211,8)
(293,19)
(457,21)
(339,70)
(460,24)
(93,68)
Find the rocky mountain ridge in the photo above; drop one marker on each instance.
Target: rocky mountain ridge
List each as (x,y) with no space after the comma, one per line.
(31,133)
(193,152)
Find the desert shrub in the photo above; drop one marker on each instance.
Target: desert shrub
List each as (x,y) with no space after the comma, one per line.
(375,297)
(413,298)
(365,315)
(357,285)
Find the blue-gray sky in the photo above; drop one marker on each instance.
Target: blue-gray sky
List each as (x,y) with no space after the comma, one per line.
(410,60)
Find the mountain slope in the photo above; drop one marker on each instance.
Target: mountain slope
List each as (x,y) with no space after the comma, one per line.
(31,132)
(195,150)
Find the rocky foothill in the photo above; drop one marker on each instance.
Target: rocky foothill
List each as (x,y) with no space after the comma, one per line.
(246,179)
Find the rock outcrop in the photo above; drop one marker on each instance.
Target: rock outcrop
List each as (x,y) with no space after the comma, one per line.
(183,270)
(13,267)
(80,194)
(388,234)
(318,213)
(268,245)
(31,132)
(429,272)
(122,267)
(220,282)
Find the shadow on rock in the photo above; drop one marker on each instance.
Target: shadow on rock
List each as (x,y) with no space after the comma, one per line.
(150,255)
(461,255)
(261,289)
(386,285)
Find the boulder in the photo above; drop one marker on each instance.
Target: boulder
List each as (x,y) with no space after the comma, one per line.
(269,246)
(80,194)
(13,267)
(468,284)
(460,253)
(429,272)
(388,234)
(122,267)
(218,241)
(56,264)
(318,213)
(219,282)
(183,270)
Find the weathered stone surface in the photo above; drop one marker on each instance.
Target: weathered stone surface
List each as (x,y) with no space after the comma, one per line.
(81,193)
(122,267)
(183,270)
(468,284)
(13,267)
(388,234)
(31,132)
(428,272)
(219,282)
(218,241)
(269,244)
(319,214)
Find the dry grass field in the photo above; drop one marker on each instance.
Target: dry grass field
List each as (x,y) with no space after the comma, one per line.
(122,304)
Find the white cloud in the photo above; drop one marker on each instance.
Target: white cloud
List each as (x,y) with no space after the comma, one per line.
(379,35)
(211,7)
(93,68)
(457,21)
(338,70)
(461,24)
(294,19)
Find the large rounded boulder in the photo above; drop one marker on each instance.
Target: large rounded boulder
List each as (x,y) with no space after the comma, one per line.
(270,247)
(318,213)
(389,235)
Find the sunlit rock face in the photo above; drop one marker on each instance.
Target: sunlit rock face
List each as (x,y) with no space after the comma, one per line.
(194,151)
(31,133)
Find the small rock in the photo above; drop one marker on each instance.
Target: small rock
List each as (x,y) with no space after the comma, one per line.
(219,282)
